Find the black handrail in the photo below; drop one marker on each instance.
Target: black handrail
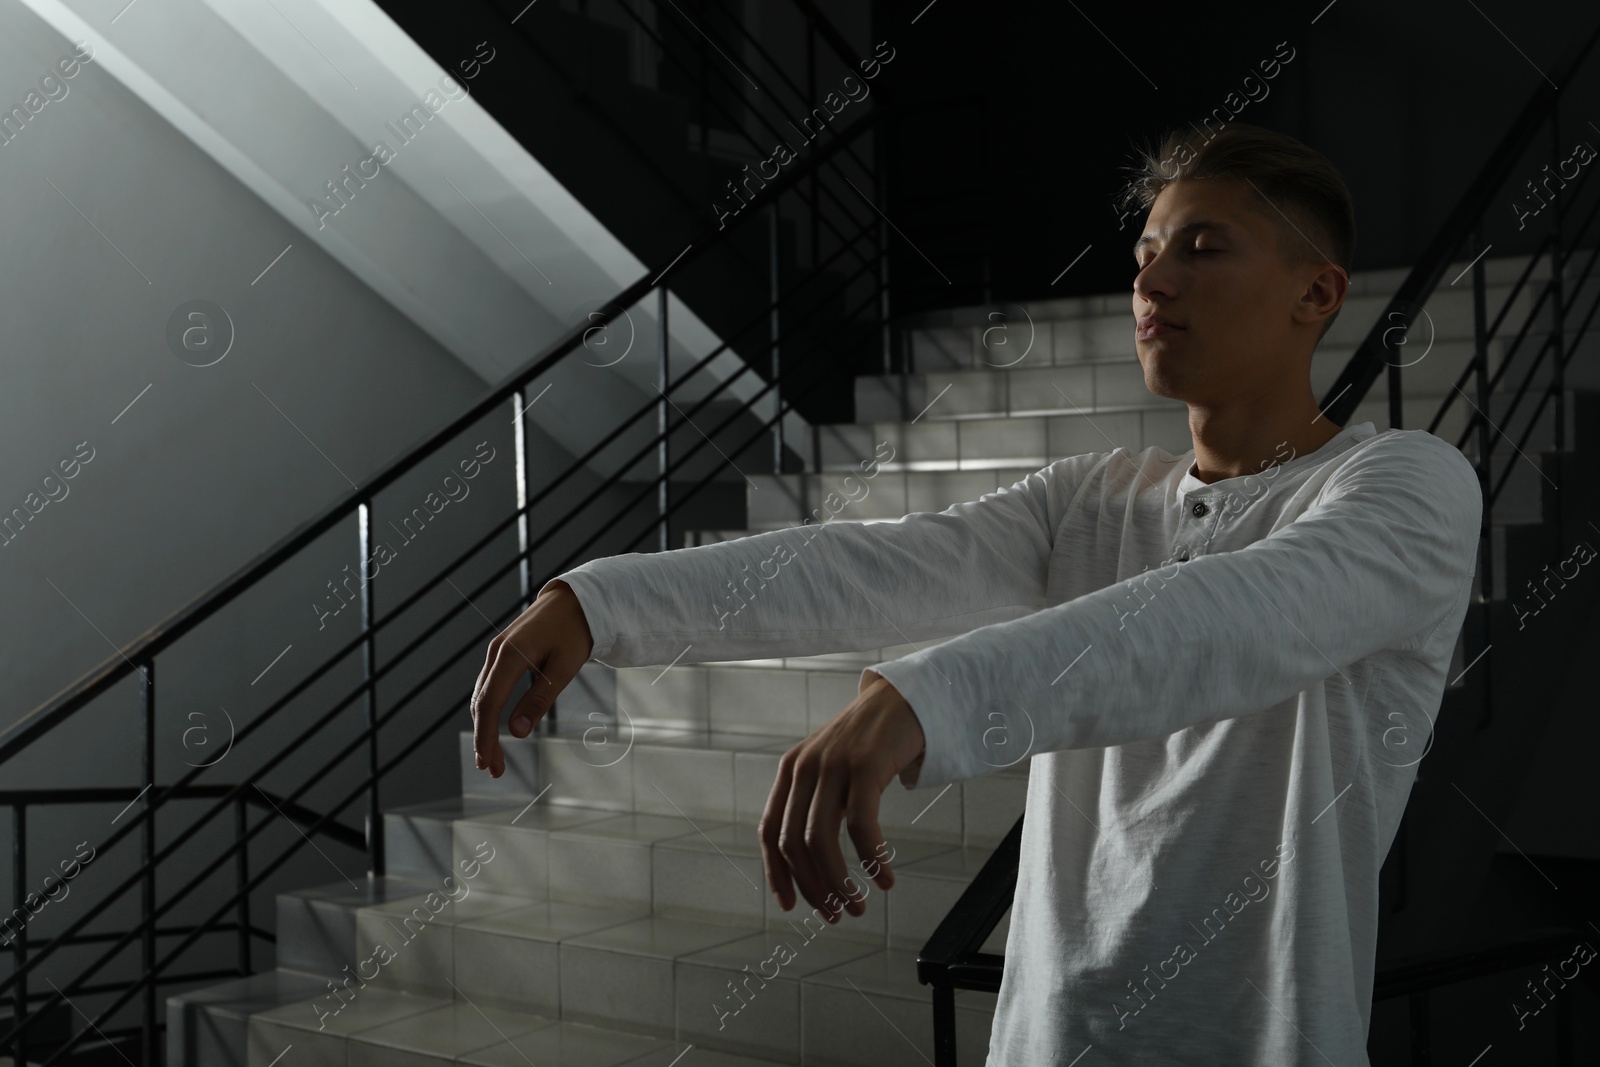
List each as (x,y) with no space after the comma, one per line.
(400,656)
(1363,368)
(951,959)
(161,636)
(241,895)
(400,703)
(1428,970)
(18,798)
(727,79)
(531,38)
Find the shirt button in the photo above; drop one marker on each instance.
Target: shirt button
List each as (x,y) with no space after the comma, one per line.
(1200,507)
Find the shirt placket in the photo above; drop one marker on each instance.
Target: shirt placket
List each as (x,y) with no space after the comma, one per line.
(1197,526)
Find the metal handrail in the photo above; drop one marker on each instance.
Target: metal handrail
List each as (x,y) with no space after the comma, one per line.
(245,835)
(115,668)
(241,895)
(55,711)
(398,657)
(1364,365)
(818,24)
(727,79)
(18,798)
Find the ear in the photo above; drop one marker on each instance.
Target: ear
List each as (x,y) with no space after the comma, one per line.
(1323,295)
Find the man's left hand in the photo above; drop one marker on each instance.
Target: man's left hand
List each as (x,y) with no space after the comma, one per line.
(838,774)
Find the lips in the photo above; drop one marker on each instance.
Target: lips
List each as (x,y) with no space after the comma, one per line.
(1153,325)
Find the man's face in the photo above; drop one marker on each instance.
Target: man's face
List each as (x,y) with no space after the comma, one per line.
(1212,265)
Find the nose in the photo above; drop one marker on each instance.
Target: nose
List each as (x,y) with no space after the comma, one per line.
(1154,281)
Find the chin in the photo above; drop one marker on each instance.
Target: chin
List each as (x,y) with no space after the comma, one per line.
(1158,381)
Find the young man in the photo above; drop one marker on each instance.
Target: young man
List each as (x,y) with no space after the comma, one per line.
(1204,654)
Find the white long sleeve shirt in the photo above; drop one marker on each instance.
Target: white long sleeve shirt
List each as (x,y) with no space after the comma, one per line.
(1224,689)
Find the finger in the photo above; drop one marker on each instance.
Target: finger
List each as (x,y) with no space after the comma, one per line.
(547,679)
(477,689)
(792,838)
(861,820)
(507,667)
(771,828)
(822,839)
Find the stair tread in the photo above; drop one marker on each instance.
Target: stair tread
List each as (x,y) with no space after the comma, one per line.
(238,998)
(555,920)
(575,732)
(368,890)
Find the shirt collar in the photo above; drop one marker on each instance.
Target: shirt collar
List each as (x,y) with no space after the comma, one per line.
(1345,438)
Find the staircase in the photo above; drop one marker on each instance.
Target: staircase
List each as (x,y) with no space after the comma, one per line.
(650,155)
(610,905)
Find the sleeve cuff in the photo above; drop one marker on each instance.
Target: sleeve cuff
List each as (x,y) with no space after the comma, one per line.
(601,627)
(948,755)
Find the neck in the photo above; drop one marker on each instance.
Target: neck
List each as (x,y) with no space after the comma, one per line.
(1252,434)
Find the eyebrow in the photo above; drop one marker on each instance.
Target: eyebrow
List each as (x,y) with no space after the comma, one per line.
(1187,228)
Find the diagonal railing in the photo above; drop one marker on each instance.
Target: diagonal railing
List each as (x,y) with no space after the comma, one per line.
(1493,436)
(650,427)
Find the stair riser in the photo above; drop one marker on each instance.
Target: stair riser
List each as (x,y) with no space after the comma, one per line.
(934,400)
(683,875)
(603,702)
(1014,336)
(714,1005)
(715,786)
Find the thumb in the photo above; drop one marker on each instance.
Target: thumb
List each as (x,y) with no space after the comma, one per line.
(548,680)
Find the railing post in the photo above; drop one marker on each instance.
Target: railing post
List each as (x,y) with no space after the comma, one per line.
(19,942)
(1557,324)
(1480,356)
(703,86)
(1421,1041)
(777,363)
(369,691)
(241,868)
(811,97)
(880,153)
(150,1036)
(661,418)
(1396,419)
(524,566)
(944,1025)
(1564,1042)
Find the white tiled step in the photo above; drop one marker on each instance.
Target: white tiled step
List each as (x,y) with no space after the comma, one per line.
(686,775)
(780,502)
(703,968)
(1498,271)
(987,392)
(780,698)
(703,868)
(980,444)
(1100,328)
(316,928)
(377,1027)
(887,404)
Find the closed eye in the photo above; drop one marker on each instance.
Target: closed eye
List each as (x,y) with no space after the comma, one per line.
(1192,251)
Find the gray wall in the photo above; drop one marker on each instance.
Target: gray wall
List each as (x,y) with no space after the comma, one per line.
(203,472)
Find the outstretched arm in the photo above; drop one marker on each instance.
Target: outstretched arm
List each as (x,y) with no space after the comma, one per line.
(810,589)
(1376,563)
(843,586)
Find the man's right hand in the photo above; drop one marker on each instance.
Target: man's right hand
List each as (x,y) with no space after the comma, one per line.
(550,641)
